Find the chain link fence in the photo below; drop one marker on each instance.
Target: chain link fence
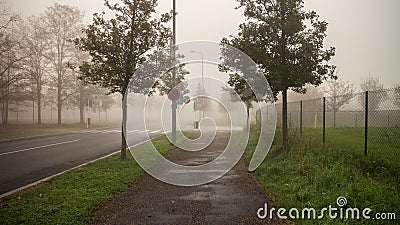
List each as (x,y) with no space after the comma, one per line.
(366,122)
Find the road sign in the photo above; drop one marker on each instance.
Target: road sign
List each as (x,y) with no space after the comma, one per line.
(174,94)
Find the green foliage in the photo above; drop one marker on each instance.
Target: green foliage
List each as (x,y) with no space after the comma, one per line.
(286,42)
(72,197)
(119,45)
(314,175)
(69,198)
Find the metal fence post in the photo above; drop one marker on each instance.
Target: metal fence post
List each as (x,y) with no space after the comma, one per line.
(366,125)
(301,118)
(324,122)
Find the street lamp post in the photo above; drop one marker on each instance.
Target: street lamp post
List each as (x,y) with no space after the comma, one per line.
(173,105)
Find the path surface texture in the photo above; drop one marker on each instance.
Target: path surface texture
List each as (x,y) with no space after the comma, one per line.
(231,199)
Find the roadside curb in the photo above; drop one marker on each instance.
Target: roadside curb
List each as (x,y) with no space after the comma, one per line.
(65,171)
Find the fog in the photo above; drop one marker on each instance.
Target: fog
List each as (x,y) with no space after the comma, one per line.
(364,32)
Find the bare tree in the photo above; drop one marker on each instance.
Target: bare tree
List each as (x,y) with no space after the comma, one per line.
(7,20)
(338,93)
(376,95)
(11,82)
(64,23)
(35,44)
(311,92)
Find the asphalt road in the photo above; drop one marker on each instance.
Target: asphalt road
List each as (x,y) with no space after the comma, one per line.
(23,162)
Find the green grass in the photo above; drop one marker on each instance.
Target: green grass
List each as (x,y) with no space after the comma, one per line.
(313,175)
(71,197)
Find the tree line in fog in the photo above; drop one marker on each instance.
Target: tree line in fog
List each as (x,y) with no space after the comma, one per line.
(35,54)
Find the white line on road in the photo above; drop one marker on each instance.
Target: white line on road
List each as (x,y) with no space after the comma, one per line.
(60,173)
(143,131)
(132,131)
(154,132)
(43,146)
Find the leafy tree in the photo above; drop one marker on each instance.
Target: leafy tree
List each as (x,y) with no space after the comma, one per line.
(287,44)
(164,83)
(376,93)
(226,98)
(118,46)
(63,23)
(338,93)
(241,93)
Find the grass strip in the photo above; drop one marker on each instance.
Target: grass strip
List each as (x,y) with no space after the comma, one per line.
(71,197)
(313,175)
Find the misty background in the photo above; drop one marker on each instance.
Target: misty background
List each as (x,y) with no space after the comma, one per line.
(364,32)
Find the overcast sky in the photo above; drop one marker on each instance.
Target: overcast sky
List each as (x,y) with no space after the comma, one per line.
(365,33)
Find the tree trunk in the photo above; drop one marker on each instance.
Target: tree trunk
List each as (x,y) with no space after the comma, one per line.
(39,102)
(81,104)
(248,116)
(334,118)
(284,121)
(4,112)
(4,109)
(123,128)
(59,100)
(334,104)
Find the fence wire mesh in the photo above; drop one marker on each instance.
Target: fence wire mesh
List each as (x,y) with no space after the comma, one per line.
(373,131)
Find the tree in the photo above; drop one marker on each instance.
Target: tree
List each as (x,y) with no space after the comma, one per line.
(7,19)
(312,92)
(287,44)
(12,84)
(118,46)
(35,45)
(338,93)
(80,98)
(63,23)
(376,93)
(164,83)
(241,92)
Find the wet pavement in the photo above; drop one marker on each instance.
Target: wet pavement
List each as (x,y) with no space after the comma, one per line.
(232,199)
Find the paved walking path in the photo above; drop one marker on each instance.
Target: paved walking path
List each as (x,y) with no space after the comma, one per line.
(232,199)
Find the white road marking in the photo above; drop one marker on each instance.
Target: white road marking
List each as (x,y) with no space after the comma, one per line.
(154,132)
(58,174)
(132,131)
(143,131)
(43,146)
